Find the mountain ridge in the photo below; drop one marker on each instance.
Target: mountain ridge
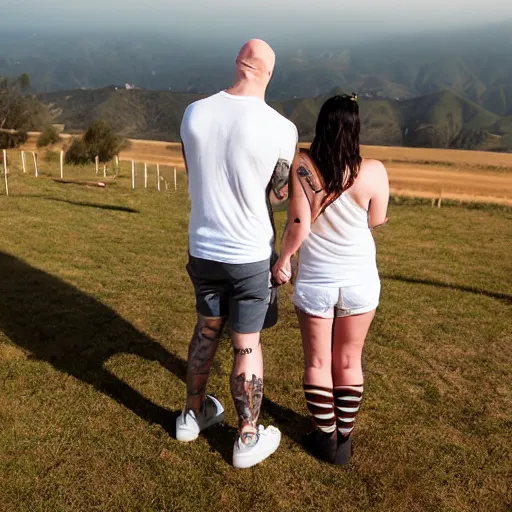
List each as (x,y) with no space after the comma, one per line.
(473,62)
(443,119)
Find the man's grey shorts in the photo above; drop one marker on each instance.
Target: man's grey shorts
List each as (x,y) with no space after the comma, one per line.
(239,291)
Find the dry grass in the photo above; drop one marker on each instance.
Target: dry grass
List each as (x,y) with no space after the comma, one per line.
(95,316)
(457,157)
(432,173)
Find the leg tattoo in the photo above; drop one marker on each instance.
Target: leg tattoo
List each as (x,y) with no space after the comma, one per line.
(200,358)
(247,395)
(243,351)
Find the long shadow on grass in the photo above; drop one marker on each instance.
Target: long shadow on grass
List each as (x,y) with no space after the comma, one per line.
(468,289)
(85,204)
(99,206)
(77,335)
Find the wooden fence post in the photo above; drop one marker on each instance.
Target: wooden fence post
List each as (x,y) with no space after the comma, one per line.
(104,170)
(34,154)
(23,163)
(175,181)
(97,162)
(133,175)
(61,164)
(158,176)
(145,175)
(5,172)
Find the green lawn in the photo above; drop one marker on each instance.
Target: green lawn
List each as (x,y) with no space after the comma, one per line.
(95,316)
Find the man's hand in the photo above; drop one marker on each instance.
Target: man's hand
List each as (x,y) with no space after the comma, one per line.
(282,271)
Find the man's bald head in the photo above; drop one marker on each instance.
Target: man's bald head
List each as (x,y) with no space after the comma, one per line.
(255,60)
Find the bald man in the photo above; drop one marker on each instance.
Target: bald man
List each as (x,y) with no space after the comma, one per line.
(237,150)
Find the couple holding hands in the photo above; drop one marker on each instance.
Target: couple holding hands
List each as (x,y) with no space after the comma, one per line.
(240,156)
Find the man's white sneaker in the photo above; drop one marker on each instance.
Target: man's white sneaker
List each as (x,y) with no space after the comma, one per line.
(267,442)
(188,425)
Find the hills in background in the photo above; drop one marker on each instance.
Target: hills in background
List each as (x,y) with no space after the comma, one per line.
(434,90)
(474,63)
(443,119)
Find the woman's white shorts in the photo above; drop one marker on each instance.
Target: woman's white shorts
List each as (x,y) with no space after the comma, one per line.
(324,301)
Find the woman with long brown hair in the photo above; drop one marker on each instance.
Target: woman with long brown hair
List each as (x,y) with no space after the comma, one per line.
(337,198)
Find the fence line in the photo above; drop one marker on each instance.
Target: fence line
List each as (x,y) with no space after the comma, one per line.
(21,165)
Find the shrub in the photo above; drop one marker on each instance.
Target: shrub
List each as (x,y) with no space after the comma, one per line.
(13,140)
(77,153)
(101,140)
(49,136)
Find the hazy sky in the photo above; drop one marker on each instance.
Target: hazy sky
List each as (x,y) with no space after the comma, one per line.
(215,16)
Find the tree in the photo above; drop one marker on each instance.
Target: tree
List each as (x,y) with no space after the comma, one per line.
(102,141)
(77,153)
(99,140)
(19,111)
(49,136)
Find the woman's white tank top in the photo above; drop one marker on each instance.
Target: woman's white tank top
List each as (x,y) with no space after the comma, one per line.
(340,250)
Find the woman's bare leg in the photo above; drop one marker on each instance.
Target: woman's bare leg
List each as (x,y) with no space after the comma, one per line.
(349,336)
(348,342)
(318,385)
(317,344)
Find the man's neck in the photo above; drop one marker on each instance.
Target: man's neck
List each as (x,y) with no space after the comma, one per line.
(247,88)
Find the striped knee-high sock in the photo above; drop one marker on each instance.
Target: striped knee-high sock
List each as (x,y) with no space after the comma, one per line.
(347,400)
(320,402)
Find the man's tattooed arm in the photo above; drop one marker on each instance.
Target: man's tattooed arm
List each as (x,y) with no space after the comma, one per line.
(279,180)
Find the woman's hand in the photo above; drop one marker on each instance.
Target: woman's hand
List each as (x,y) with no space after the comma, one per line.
(282,271)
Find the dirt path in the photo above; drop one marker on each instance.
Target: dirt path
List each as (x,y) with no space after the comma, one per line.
(433,181)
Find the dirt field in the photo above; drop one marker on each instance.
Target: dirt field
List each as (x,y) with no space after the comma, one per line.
(417,172)
(454,157)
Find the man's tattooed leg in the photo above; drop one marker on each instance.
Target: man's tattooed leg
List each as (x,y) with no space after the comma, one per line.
(200,358)
(247,395)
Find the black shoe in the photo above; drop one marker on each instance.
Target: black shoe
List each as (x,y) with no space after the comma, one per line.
(344,451)
(322,446)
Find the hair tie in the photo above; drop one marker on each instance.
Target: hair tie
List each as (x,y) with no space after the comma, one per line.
(354,97)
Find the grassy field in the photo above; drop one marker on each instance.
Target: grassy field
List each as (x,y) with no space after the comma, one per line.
(95,316)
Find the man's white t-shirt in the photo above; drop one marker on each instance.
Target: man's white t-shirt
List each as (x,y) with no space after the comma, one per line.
(232,145)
